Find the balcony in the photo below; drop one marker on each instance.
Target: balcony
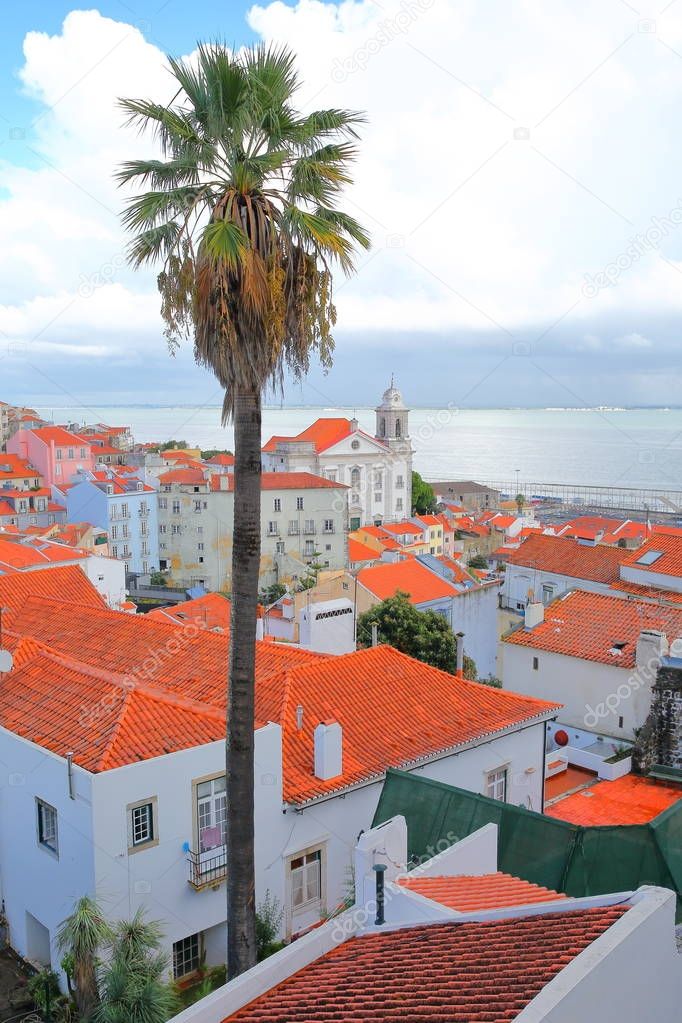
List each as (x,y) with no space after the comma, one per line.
(205,870)
(293,530)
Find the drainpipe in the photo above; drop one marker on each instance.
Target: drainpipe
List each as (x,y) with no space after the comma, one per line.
(460,653)
(542,776)
(379,869)
(69,774)
(375,634)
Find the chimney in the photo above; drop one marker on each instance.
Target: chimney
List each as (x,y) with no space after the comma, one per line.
(299,717)
(328,750)
(460,653)
(375,634)
(354,425)
(651,646)
(534,614)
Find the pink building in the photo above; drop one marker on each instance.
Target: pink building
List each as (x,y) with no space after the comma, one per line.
(55,452)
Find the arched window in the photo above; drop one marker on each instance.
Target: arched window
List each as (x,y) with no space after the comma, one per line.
(382,427)
(397,427)
(355,477)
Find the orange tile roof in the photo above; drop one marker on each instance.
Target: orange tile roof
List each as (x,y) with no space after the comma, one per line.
(66,583)
(435,973)
(186,476)
(358,552)
(7,509)
(599,563)
(29,554)
(429,711)
(409,576)
(628,800)
(221,459)
(648,592)
(211,611)
(60,437)
(14,467)
(589,625)
(403,528)
(670,561)
(475,892)
(322,434)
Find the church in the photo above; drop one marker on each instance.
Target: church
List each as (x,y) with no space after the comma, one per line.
(377,470)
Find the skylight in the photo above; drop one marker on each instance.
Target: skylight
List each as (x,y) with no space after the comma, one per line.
(649,557)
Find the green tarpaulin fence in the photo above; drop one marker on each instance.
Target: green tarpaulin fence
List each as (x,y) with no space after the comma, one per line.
(570,858)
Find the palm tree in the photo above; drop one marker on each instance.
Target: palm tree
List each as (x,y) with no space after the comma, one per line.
(80,937)
(242,217)
(132,985)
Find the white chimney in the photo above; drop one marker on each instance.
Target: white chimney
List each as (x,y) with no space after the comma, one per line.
(651,646)
(534,614)
(328,750)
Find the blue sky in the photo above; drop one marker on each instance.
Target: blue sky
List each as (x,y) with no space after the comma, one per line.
(520,173)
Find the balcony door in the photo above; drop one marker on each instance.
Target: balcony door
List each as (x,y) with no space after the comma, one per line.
(211,823)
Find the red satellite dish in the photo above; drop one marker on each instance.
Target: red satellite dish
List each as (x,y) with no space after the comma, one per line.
(561,737)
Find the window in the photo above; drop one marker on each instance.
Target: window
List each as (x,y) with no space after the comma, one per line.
(124,511)
(306,880)
(176,507)
(535,663)
(378,498)
(299,504)
(59,454)
(649,557)
(547,593)
(211,814)
(82,452)
(399,482)
(496,785)
(47,826)
(279,547)
(163,503)
(309,526)
(70,452)
(378,481)
(200,546)
(272,529)
(114,551)
(186,956)
(293,527)
(309,548)
(399,504)
(355,477)
(331,475)
(277,504)
(355,444)
(141,824)
(197,506)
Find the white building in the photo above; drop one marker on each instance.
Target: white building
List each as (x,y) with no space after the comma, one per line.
(454,939)
(116,786)
(377,470)
(596,654)
(544,567)
(303,522)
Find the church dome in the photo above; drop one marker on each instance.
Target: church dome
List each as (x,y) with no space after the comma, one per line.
(392,398)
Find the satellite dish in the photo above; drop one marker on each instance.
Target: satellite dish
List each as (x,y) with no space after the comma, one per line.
(6,661)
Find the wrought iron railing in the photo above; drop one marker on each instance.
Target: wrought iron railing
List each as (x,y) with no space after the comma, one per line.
(206,870)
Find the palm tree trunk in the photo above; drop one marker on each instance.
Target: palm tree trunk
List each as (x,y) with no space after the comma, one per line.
(241,900)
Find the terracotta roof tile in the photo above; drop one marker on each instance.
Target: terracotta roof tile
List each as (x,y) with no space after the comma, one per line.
(467,893)
(211,611)
(438,973)
(322,434)
(410,576)
(597,627)
(661,554)
(359,552)
(66,583)
(599,563)
(628,800)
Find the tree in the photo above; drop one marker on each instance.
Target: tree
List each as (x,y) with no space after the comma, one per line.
(271,594)
(520,503)
(424,635)
(132,986)
(80,937)
(423,498)
(212,452)
(478,561)
(242,215)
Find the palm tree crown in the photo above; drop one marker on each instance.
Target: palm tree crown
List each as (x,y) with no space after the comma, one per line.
(242,214)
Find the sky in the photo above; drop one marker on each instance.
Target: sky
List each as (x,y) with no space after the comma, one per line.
(520,173)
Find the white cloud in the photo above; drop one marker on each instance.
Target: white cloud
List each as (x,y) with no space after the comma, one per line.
(473,224)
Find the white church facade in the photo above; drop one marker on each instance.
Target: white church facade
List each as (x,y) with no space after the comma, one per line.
(377,470)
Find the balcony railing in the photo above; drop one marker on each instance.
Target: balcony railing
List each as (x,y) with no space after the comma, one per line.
(204,870)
